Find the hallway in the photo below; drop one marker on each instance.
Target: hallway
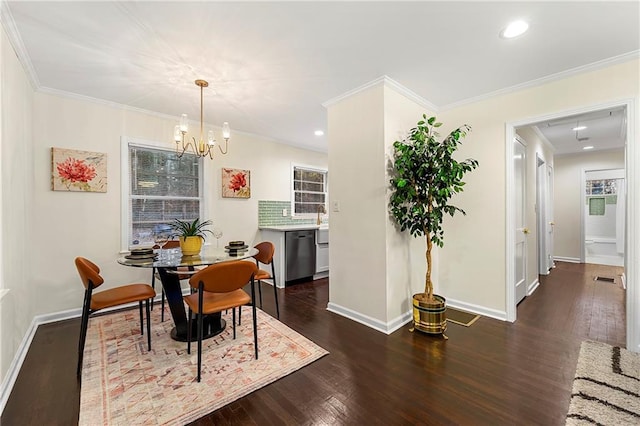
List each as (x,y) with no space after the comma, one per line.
(570,302)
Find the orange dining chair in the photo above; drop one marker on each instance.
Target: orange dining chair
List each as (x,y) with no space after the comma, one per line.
(183,274)
(93,302)
(266,250)
(219,287)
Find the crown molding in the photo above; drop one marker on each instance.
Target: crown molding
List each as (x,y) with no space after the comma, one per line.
(625,57)
(9,25)
(388,82)
(103,102)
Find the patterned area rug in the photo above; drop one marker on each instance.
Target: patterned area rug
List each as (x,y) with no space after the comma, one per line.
(124,384)
(606,387)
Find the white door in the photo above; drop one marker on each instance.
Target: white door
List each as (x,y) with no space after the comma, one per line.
(542,199)
(550,225)
(519,167)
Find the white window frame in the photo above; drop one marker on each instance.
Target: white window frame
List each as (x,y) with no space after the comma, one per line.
(125,184)
(294,166)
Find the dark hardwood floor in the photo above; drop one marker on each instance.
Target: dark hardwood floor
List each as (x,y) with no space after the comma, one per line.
(492,373)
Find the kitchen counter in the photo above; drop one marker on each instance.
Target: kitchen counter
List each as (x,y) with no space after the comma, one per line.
(301,227)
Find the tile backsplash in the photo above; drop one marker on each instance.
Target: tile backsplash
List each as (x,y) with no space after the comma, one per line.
(270,214)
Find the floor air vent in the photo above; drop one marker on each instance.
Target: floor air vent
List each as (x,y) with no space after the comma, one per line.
(605,279)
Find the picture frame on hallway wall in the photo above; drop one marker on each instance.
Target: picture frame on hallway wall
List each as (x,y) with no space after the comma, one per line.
(78,171)
(236,183)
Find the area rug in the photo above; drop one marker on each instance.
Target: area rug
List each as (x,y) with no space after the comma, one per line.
(457,316)
(606,387)
(124,384)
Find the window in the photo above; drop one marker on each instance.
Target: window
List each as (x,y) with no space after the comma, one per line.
(161,187)
(309,190)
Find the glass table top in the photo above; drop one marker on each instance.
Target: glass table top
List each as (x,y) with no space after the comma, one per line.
(172,258)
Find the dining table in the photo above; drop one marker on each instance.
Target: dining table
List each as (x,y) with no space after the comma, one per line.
(171,267)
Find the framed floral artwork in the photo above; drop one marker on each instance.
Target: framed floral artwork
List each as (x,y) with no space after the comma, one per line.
(236,183)
(81,171)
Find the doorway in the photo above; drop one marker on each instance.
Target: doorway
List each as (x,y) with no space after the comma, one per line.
(603,217)
(631,155)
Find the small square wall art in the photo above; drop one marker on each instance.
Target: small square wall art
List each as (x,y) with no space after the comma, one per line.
(80,171)
(236,183)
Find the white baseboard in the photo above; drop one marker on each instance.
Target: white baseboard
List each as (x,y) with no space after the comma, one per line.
(396,323)
(14,367)
(21,353)
(318,275)
(386,328)
(532,287)
(477,309)
(566,259)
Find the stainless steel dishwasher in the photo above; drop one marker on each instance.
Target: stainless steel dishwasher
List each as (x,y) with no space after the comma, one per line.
(300,252)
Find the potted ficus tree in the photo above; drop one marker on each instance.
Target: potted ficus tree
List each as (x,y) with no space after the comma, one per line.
(191,235)
(424,177)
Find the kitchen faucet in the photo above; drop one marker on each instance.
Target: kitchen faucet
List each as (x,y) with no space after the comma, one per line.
(321,209)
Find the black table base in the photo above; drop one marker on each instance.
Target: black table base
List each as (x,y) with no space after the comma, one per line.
(212,327)
(213,324)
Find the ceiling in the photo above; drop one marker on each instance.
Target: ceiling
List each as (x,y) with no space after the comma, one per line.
(600,130)
(271,65)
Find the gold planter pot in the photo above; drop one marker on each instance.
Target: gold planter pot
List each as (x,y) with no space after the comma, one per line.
(190,246)
(430,317)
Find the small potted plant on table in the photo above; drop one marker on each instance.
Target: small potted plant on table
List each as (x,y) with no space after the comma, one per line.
(424,177)
(191,235)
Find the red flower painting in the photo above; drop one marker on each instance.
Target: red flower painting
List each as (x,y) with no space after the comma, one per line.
(236,183)
(74,170)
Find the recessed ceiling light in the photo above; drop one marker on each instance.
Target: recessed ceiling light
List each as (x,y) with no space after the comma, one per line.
(579,128)
(587,147)
(514,29)
(318,133)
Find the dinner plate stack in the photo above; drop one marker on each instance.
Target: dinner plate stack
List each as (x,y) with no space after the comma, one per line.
(236,247)
(142,255)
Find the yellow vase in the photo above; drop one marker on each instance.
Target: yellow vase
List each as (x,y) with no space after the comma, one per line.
(190,246)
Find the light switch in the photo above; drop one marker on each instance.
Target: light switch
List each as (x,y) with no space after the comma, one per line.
(336,205)
(284,212)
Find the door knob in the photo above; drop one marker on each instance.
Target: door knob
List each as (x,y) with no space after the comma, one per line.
(525,230)
(552,223)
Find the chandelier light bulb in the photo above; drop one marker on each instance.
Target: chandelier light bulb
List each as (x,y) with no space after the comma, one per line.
(226,131)
(211,139)
(184,123)
(177,135)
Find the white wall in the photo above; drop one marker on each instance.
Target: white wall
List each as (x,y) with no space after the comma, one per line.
(357,277)
(568,197)
(472,263)
(16,195)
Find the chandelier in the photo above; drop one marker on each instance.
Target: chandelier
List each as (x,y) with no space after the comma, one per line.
(200,148)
